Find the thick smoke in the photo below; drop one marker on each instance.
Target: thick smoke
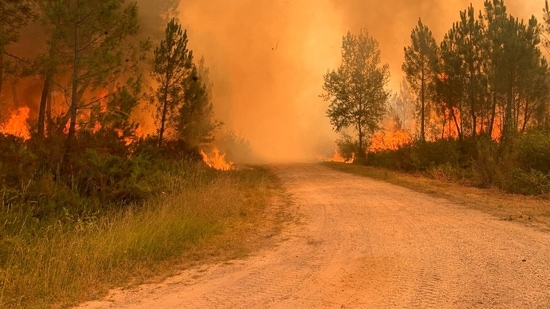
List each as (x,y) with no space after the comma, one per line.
(268,57)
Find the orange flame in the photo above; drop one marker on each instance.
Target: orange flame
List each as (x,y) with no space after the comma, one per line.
(217,160)
(337,157)
(389,141)
(17,124)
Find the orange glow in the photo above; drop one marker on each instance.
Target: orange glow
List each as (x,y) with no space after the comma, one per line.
(128,140)
(217,160)
(497,130)
(97,127)
(337,157)
(138,132)
(17,123)
(452,131)
(389,141)
(103,100)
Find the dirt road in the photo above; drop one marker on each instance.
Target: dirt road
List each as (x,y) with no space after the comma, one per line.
(367,244)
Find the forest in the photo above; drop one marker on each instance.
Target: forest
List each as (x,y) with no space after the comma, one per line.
(106,123)
(73,77)
(107,119)
(473,108)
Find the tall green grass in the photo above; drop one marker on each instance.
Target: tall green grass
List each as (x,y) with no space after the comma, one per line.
(82,257)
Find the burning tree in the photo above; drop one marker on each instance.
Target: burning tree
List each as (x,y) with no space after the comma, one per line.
(14,14)
(491,77)
(93,38)
(356,89)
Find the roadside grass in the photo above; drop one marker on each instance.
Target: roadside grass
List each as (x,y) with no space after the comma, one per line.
(203,215)
(529,210)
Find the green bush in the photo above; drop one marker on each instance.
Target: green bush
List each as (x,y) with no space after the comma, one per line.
(520,165)
(112,178)
(17,164)
(533,182)
(533,152)
(347,147)
(484,163)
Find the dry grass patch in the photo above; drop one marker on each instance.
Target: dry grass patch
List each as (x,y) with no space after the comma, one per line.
(202,216)
(532,211)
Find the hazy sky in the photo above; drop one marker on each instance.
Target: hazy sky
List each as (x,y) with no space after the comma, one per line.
(268,57)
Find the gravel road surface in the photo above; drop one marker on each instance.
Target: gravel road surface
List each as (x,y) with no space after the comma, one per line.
(361,243)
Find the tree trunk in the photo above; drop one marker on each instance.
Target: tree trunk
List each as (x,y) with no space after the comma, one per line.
(1,71)
(493,115)
(45,93)
(162,121)
(164,105)
(473,113)
(422,109)
(508,117)
(164,114)
(457,125)
(443,126)
(49,120)
(361,150)
(74,91)
(42,106)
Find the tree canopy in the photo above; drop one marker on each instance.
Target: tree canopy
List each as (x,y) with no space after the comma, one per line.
(356,89)
(486,77)
(14,14)
(93,36)
(182,98)
(420,67)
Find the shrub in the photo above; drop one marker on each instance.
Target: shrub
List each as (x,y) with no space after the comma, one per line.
(347,147)
(519,165)
(533,152)
(17,164)
(533,182)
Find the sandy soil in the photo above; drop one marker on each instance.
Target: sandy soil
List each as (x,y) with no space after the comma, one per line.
(362,243)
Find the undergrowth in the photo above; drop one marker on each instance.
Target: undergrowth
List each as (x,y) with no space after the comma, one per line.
(519,165)
(57,260)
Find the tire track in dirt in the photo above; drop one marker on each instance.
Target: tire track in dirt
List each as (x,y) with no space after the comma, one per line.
(368,244)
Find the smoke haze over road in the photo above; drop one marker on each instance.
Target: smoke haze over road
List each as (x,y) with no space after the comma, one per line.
(267,59)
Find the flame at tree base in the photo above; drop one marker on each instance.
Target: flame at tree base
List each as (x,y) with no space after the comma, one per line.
(217,160)
(389,140)
(337,157)
(17,124)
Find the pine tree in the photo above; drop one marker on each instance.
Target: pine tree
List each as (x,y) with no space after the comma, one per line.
(93,37)
(172,67)
(518,72)
(194,117)
(14,15)
(420,69)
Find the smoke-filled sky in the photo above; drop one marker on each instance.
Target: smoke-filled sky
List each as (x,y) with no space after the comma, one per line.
(267,58)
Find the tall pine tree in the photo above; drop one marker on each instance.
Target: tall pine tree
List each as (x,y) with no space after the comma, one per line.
(172,67)
(93,37)
(420,69)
